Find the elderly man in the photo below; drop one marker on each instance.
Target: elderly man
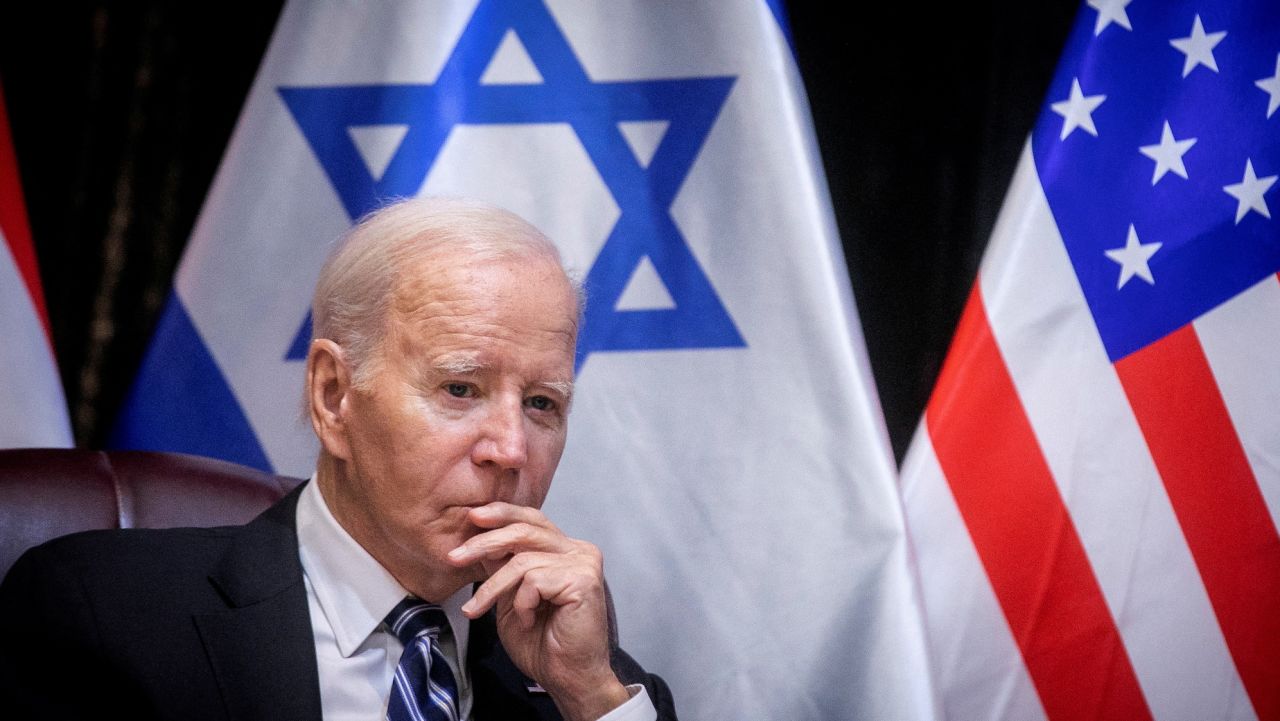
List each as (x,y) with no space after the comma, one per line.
(414,577)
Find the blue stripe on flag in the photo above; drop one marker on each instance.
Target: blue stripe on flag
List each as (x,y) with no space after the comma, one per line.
(181,401)
(779,10)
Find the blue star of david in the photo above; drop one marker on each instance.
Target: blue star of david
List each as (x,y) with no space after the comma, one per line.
(593,109)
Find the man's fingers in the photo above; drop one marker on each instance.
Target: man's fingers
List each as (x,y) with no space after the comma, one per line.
(526,601)
(501,581)
(500,513)
(534,578)
(510,539)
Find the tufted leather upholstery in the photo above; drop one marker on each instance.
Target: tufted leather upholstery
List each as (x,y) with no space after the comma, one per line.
(47,492)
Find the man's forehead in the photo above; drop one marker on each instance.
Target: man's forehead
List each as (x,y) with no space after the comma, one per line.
(466,327)
(440,276)
(530,295)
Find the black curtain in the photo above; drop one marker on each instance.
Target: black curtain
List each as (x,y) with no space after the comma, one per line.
(121,110)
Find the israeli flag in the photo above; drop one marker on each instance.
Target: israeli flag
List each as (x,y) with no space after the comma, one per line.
(726,448)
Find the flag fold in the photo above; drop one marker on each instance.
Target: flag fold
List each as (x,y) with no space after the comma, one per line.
(726,449)
(33,410)
(1093,493)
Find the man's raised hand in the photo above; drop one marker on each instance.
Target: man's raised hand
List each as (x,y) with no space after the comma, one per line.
(548,592)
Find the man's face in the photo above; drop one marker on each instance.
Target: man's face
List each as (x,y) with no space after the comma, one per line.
(468,404)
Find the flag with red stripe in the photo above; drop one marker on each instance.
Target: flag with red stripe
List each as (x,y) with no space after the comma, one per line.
(33,411)
(1094,493)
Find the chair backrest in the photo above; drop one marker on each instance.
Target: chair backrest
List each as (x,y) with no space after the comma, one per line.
(45,493)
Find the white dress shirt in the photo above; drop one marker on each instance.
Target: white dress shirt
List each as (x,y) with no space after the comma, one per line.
(348,595)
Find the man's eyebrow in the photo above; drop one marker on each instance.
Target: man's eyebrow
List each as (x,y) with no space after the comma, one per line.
(564,388)
(459,364)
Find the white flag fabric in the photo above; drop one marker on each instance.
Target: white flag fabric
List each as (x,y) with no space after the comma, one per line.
(1093,494)
(726,449)
(33,410)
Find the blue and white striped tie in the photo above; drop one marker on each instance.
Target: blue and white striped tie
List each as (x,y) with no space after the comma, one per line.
(424,688)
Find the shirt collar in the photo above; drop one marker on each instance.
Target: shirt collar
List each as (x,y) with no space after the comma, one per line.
(354,591)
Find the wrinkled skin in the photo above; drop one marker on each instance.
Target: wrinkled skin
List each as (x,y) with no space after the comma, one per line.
(438,464)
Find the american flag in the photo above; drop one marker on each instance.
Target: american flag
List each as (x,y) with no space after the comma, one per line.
(1094,493)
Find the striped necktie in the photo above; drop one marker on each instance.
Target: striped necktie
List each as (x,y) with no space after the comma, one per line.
(423,688)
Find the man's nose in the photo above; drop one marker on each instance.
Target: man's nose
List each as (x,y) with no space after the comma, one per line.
(503,442)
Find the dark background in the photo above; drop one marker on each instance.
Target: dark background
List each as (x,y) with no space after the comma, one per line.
(121,110)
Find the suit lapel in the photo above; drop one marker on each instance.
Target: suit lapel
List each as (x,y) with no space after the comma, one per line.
(501,690)
(261,648)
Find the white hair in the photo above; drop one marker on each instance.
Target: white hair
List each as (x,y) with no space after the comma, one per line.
(355,290)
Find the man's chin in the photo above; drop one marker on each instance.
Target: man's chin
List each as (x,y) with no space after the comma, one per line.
(439,584)
(477,573)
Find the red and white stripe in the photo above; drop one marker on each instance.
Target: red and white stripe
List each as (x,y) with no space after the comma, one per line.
(33,411)
(1098,541)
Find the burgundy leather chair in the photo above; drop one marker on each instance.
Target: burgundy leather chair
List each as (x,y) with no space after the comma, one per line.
(45,493)
(50,492)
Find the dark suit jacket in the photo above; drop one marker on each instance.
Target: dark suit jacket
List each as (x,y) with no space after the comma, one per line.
(198,624)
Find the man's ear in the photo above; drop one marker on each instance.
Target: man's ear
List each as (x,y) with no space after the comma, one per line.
(329,396)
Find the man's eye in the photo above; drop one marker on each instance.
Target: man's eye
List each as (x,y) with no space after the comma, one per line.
(540,403)
(458,390)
